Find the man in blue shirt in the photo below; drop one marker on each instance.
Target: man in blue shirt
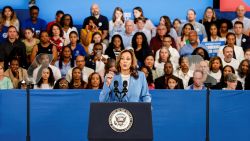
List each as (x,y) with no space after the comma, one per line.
(34,22)
(189,48)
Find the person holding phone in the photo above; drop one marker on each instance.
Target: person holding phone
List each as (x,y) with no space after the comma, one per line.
(136,83)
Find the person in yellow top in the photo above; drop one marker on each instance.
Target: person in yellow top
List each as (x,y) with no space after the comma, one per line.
(86,34)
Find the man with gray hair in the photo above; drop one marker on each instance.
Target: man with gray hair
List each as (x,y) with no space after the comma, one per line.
(102,21)
(198,81)
(128,34)
(204,67)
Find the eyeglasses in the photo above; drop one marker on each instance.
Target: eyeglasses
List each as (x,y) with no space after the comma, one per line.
(63,84)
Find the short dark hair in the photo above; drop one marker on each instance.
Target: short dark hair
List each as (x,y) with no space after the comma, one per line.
(34,7)
(239,22)
(58,12)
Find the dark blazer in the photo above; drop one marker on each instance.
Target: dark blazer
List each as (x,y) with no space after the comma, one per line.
(160,83)
(245,42)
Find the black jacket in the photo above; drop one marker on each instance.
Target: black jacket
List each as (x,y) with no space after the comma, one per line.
(10,50)
(245,42)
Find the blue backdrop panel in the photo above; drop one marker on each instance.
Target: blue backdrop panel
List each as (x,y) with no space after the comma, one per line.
(16,4)
(177,115)
(80,9)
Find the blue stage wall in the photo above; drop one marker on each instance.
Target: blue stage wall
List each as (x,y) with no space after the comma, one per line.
(177,115)
(80,9)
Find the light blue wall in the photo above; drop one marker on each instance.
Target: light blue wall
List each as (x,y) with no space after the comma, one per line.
(16,4)
(79,9)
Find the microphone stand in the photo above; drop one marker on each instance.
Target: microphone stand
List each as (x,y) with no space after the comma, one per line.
(28,112)
(208,85)
(120,94)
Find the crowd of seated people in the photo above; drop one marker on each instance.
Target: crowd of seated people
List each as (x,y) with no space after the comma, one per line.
(172,55)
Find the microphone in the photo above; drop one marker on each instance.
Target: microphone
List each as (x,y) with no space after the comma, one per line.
(116,90)
(125,90)
(116,84)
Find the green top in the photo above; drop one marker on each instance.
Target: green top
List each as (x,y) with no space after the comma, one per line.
(6,83)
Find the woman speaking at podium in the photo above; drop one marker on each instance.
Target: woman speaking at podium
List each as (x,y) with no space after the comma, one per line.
(128,84)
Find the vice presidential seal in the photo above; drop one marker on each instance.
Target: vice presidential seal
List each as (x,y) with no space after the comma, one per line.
(120,120)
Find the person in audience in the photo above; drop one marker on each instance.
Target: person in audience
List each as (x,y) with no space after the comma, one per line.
(238,52)
(47,79)
(102,21)
(44,60)
(164,56)
(209,17)
(44,47)
(126,71)
(247,81)
(243,71)
(203,66)
(168,72)
(110,66)
(96,38)
(5,82)
(8,18)
(228,58)
(247,54)
(215,68)
(117,24)
(97,60)
(76,47)
(94,81)
(149,62)
(225,71)
(140,27)
(80,63)
(149,77)
(67,27)
(58,17)
(224,27)
(77,82)
(202,52)
(16,73)
(241,11)
(167,42)
(37,24)
(115,46)
(128,34)
(198,81)
(184,38)
(213,35)
(171,83)
(29,41)
(156,41)
(165,20)
(140,46)
(88,31)
(231,81)
(56,37)
(61,83)
(242,40)
(184,72)
(177,24)
(66,61)
(13,47)
(138,12)
(199,28)
(193,44)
